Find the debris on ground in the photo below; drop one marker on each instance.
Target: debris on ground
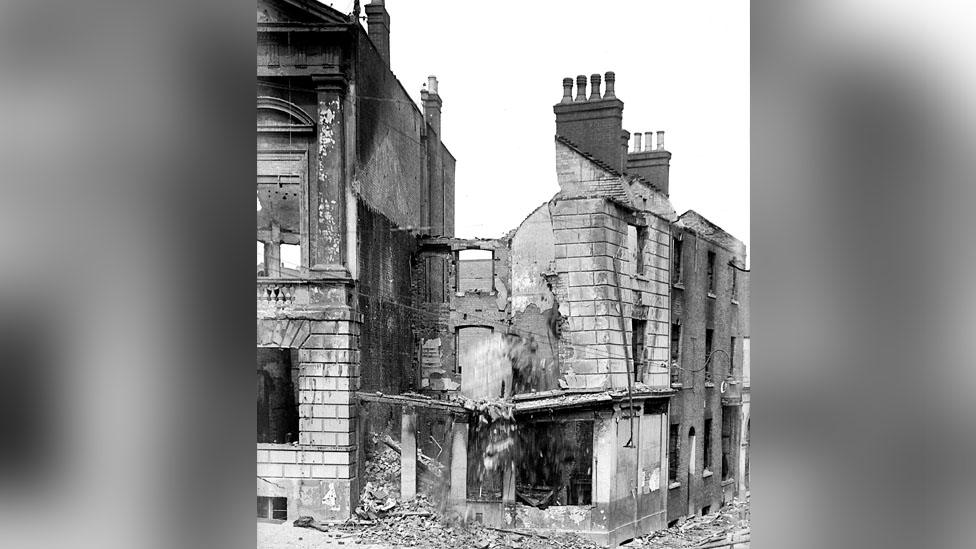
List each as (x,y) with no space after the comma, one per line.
(729,525)
(382,518)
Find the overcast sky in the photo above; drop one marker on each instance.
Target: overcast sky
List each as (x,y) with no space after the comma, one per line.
(682,67)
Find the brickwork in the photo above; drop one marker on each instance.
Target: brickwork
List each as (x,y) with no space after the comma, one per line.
(696,309)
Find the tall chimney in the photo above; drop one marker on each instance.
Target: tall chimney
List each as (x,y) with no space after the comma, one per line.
(651,163)
(594,123)
(378,23)
(432,104)
(436,190)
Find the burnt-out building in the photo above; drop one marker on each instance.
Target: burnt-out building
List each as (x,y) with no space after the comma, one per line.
(708,424)
(349,172)
(539,366)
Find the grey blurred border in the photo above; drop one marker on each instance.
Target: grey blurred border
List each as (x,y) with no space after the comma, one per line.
(126,287)
(862,140)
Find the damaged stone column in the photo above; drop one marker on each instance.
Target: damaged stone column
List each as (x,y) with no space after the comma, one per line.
(327,218)
(408,454)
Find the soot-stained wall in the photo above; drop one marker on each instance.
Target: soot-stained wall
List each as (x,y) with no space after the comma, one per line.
(385,301)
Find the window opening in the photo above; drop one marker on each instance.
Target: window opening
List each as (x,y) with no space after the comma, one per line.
(711,272)
(272,508)
(555,463)
(277,396)
(476,271)
(707,455)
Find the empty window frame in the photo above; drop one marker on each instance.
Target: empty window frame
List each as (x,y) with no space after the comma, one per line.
(637,329)
(484,475)
(735,282)
(555,463)
(727,426)
(711,273)
(277,396)
(709,333)
(675,352)
(732,344)
(676,250)
(272,508)
(280,190)
(707,450)
(475,271)
(674,435)
(642,233)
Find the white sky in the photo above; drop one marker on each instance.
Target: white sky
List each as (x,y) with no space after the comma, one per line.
(682,67)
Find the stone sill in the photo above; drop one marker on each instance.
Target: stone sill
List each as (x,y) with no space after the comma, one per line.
(711,295)
(674,485)
(677,385)
(678,285)
(706,473)
(735,301)
(727,482)
(710,384)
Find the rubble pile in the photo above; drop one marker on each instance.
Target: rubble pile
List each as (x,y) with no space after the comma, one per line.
(382,518)
(731,523)
(435,531)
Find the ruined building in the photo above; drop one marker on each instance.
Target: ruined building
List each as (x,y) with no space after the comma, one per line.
(569,374)
(349,171)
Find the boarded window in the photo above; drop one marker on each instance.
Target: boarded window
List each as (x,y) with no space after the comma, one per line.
(475,270)
(555,463)
(277,396)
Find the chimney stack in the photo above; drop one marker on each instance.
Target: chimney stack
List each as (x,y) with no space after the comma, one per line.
(610,78)
(581,88)
(594,123)
(434,178)
(595,87)
(637,141)
(651,163)
(432,104)
(378,28)
(567,90)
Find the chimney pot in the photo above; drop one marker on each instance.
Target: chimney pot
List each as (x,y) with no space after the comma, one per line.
(637,142)
(610,78)
(567,90)
(581,88)
(660,140)
(594,87)
(648,141)
(432,84)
